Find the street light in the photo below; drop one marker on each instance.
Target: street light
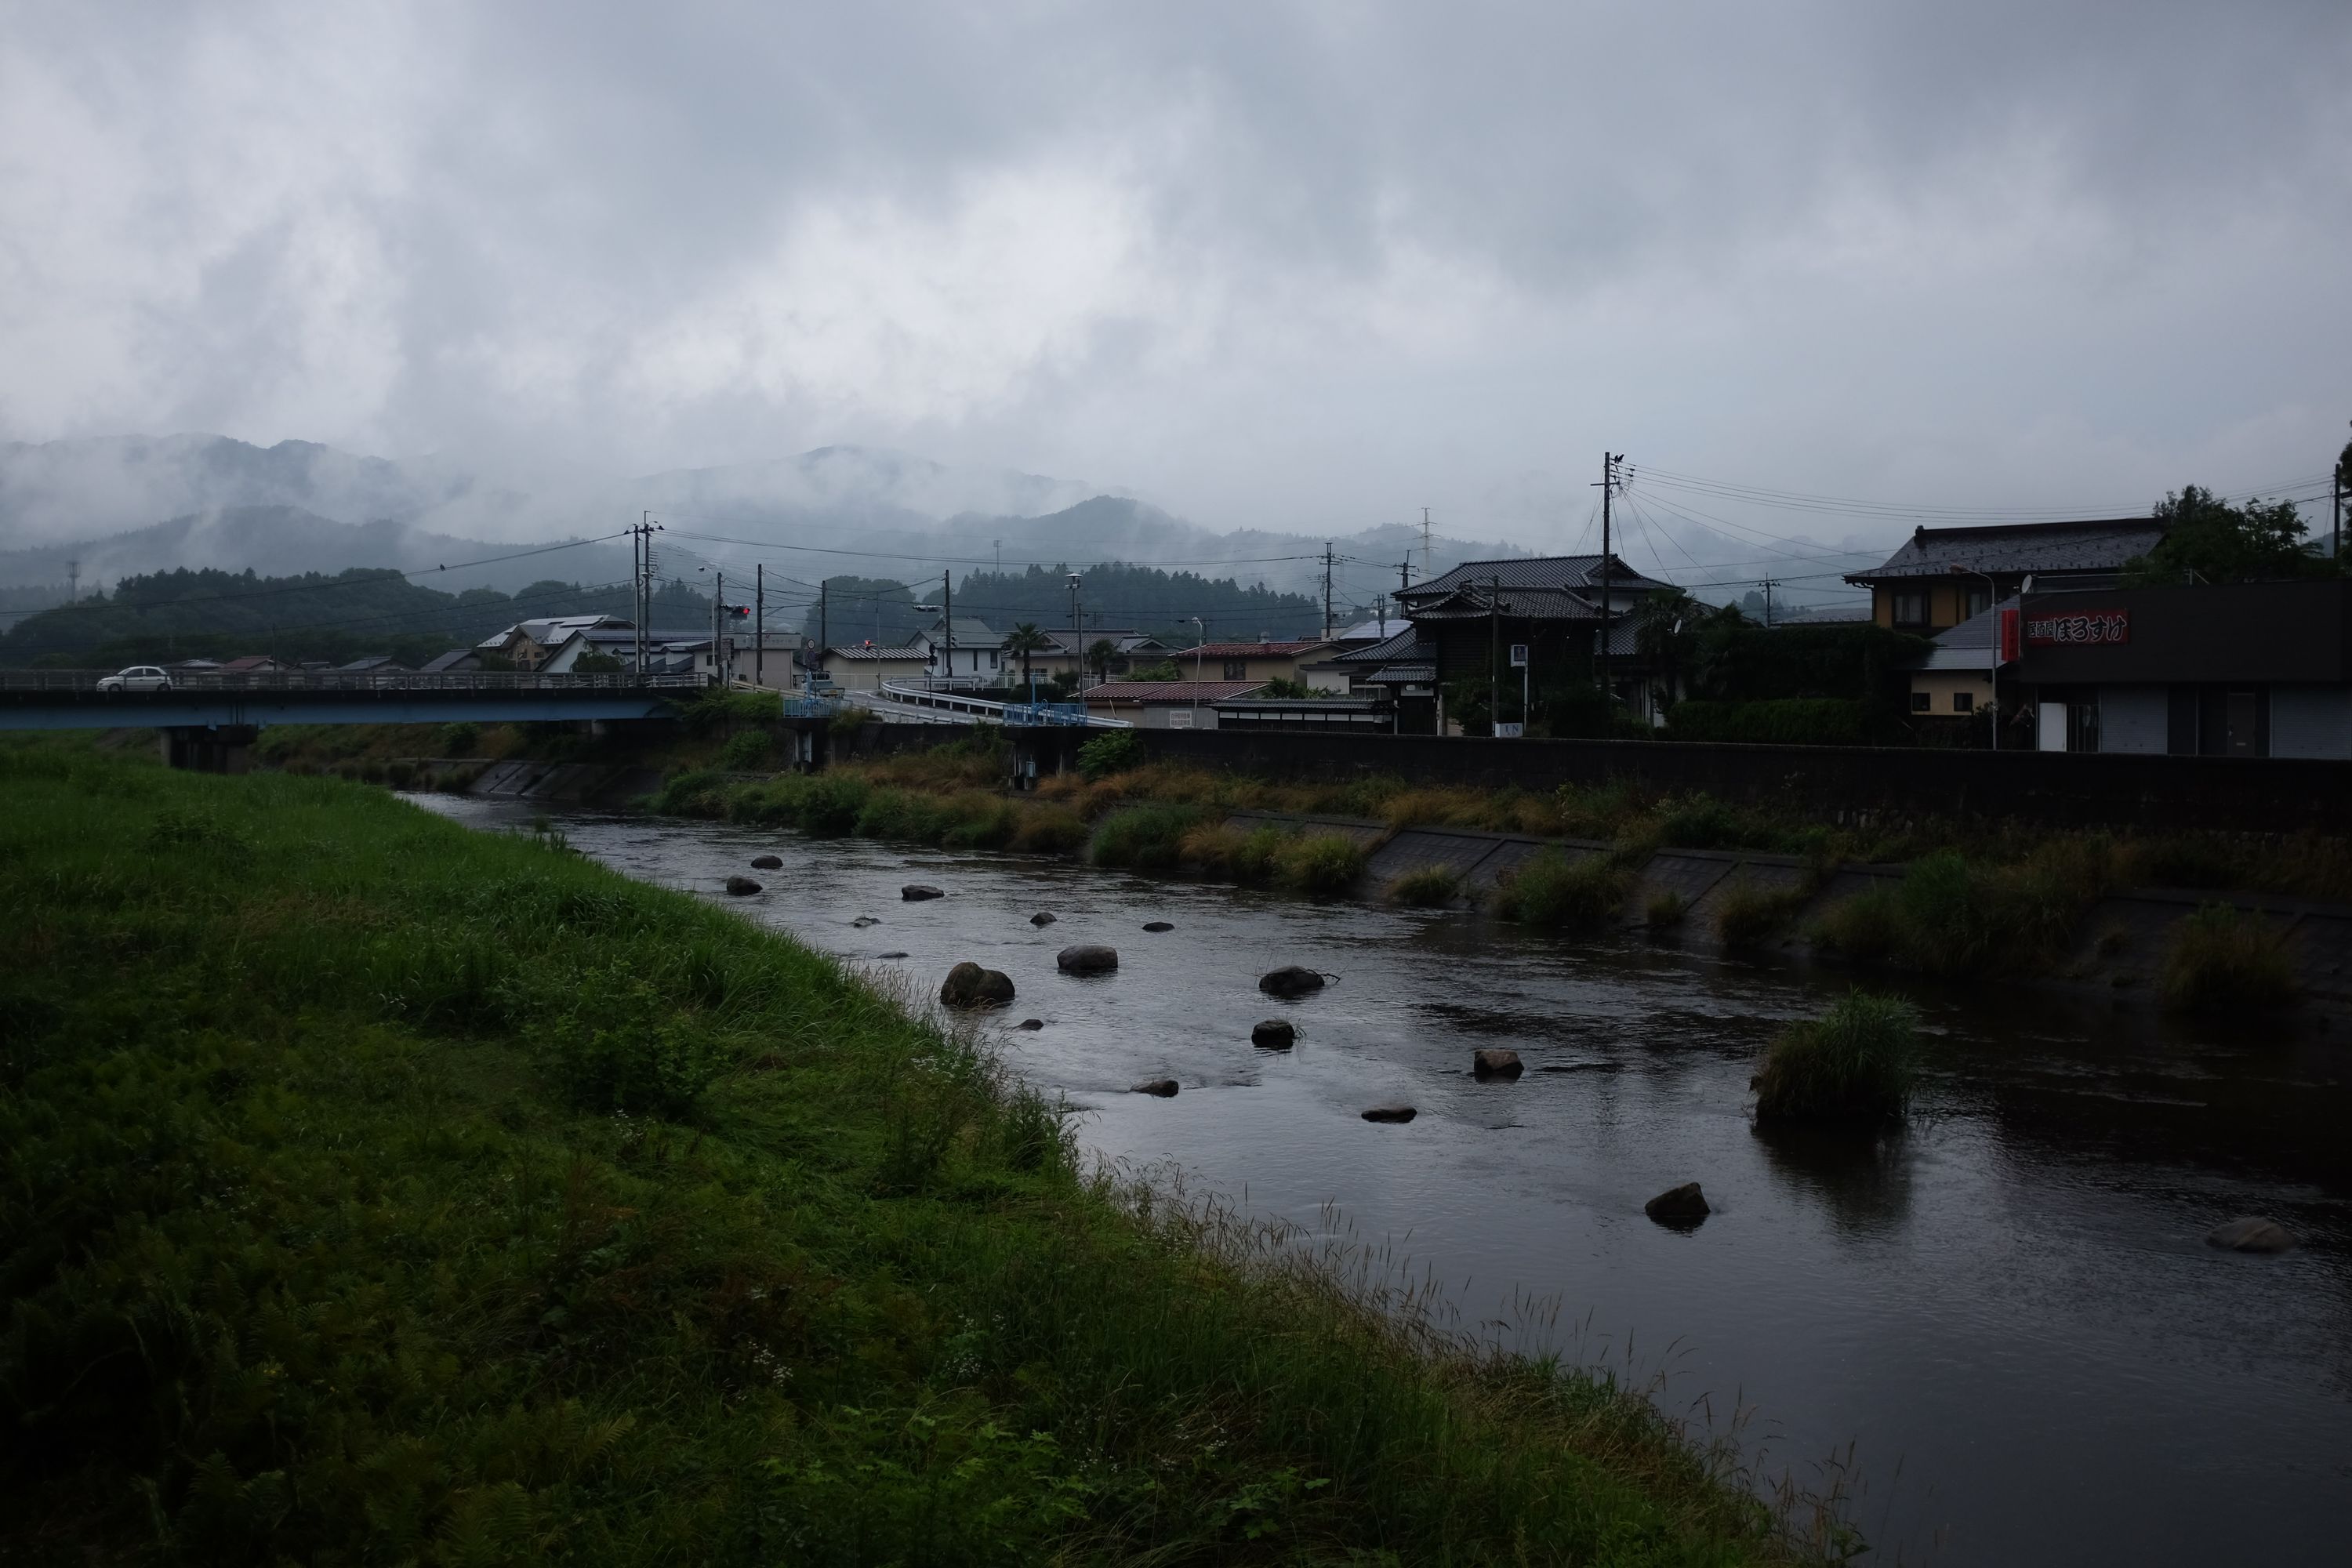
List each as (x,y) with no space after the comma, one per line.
(1992,608)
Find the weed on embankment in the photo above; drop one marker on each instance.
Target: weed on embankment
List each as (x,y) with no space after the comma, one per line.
(2222,957)
(1854,1063)
(374,1190)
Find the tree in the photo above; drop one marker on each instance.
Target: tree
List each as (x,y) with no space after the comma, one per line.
(597,662)
(1027,640)
(1166,669)
(1098,657)
(2209,541)
(1284,690)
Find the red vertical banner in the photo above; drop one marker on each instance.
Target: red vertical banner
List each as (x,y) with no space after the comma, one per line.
(2009,637)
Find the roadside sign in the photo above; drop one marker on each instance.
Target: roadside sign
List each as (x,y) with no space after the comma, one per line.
(1509,732)
(1518,656)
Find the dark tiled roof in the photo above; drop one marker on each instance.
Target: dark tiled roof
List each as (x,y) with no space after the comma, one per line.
(1536,572)
(1404,675)
(439,662)
(885,650)
(2099,546)
(1404,644)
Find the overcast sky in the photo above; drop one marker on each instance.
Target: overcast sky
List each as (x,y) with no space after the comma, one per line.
(1304,266)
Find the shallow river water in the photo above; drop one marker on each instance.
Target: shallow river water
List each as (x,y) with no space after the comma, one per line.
(2003,1327)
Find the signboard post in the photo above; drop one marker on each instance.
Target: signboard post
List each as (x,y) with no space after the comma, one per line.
(1519,662)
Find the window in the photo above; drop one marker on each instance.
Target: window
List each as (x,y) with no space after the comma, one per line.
(1919,703)
(1975,602)
(1236,669)
(1964,701)
(1911,606)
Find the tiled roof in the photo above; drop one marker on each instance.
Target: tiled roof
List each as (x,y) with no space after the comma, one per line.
(1404,675)
(1176,692)
(1406,641)
(1258,649)
(2100,545)
(909,651)
(451,661)
(1534,571)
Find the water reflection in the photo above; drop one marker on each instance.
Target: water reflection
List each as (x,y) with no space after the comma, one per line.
(1860,1177)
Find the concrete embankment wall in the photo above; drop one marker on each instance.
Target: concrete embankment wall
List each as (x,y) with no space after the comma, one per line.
(1835,783)
(557,783)
(2118,946)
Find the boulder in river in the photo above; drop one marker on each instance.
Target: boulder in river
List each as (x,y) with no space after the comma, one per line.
(862,921)
(1157,926)
(1679,1207)
(1493,1061)
(970,985)
(1275,1035)
(2251,1234)
(1389,1113)
(1042,918)
(741,886)
(1088,959)
(767,862)
(915,892)
(1165,1088)
(1291,980)
(1030,1024)
(890,955)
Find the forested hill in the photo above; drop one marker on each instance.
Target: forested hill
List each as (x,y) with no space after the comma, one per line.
(169,615)
(1147,598)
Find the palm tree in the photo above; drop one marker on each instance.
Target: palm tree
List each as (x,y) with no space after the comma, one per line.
(1025,640)
(1098,657)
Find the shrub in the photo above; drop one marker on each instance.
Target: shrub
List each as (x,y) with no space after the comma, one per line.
(1221,849)
(829,807)
(697,792)
(2222,957)
(1050,830)
(1703,822)
(1854,1063)
(460,737)
(747,751)
(1320,865)
(400,775)
(1431,887)
(456,781)
(1665,910)
(1746,914)
(1112,752)
(1952,916)
(1144,837)
(1551,889)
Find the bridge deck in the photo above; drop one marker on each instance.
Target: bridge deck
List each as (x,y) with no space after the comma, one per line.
(69,700)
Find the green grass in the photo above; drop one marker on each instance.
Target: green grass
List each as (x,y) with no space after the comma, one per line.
(1147,837)
(1581,895)
(2222,957)
(374,1191)
(1854,1063)
(1665,909)
(1747,915)
(1319,865)
(1431,887)
(1954,916)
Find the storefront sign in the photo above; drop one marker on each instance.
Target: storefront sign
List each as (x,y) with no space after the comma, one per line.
(2076,627)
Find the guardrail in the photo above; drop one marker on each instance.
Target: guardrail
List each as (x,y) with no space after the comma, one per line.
(1017,714)
(206,681)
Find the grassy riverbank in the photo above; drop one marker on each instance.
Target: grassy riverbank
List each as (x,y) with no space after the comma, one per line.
(378,1191)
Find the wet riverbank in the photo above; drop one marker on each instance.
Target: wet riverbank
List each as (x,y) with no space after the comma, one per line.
(2009,1311)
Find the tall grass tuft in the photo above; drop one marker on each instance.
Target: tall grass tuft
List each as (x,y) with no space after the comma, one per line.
(1747,915)
(2222,957)
(1144,837)
(1320,865)
(1854,1063)
(1551,889)
(1430,888)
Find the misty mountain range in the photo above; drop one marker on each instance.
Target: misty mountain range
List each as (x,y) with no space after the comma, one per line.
(108,508)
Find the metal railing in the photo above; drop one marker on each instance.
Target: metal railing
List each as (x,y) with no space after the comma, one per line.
(212,681)
(1018,713)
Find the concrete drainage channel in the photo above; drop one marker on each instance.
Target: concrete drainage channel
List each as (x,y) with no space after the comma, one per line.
(2119,945)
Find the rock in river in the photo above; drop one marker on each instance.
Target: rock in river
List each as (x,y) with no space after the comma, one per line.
(970,985)
(1088,959)
(1389,1113)
(1162,1087)
(1030,1024)
(1493,1061)
(1275,1035)
(862,921)
(1041,918)
(741,886)
(915,892)
(1680,1206)
(1157,926)
(767,862)
(1291,980)
(2251,1234)
(880,956)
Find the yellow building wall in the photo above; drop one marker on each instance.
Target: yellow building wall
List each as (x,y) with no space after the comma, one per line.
(1939,685)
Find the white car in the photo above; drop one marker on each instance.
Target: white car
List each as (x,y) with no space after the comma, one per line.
(138,678)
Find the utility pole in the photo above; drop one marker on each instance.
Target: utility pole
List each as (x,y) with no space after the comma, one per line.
(717,619)
(1078,636)
(1495,657)
(1609,462)
(2336,531)
(1404,577)
(947,618)
(824,620)
(73,581)
(1327,590)
(760,626)
(1768,585)
(1428,563)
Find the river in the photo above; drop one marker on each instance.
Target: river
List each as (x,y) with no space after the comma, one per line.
(2001,1331)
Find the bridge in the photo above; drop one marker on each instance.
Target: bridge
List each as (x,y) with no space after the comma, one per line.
(69,699)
